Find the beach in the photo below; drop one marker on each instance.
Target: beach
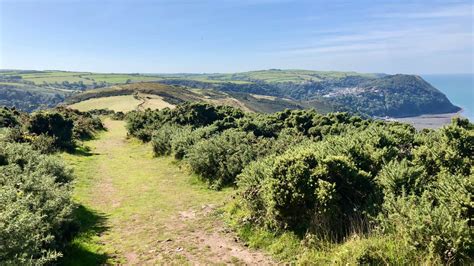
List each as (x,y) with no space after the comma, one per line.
(432,121)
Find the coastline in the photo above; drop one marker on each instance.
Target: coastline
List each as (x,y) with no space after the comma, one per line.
(432,121)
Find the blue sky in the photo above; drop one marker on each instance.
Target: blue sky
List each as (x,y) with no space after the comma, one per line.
(227,36)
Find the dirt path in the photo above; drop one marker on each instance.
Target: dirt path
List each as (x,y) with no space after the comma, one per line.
(155,212)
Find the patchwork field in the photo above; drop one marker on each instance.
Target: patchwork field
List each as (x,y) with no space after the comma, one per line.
(40,77)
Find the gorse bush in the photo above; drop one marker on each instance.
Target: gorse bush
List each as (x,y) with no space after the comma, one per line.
(448,149)
(36,220)
(51,130)
(118,115)
(428,202)
(163,137)
(191,129)
(330,178)
(220,159)
(9,117)
(187,137)
(43,143)
(304,189)
(85,124)
(142,124)
(55,125)
(398,177)
(35,206)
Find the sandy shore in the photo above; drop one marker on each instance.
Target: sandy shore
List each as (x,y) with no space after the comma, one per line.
(429,121)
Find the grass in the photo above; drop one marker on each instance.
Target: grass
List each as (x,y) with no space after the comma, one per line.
(131,203)
(289,248)
(86,248)
(122,103)
(153,102)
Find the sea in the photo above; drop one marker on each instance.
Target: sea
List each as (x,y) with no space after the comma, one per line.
(459,88)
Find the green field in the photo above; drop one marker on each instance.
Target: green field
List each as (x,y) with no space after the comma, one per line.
(86,78)
(275,76)
(39,77)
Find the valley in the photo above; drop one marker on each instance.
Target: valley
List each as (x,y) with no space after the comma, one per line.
(375,95)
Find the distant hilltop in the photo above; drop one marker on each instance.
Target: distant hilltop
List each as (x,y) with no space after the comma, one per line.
(261,91)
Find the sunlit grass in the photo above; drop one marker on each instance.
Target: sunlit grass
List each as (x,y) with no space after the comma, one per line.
(137,197)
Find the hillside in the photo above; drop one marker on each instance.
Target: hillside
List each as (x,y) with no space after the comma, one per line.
(144,95)
(368,94)
(371,94)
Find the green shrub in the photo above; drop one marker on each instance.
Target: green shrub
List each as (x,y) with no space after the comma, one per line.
(61,126)
(35,206)
(9,117)
(330,178)
(436,222)
(402,176)
(85,123)
(54,125)
(186,138)
(451,148)
(163,137)
(85,127)
(221,158)
(305,189)
(142,124)
(428,202)
(118,115)
(15,134)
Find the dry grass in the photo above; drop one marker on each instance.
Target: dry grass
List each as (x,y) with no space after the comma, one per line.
(123,103)
(153,102)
